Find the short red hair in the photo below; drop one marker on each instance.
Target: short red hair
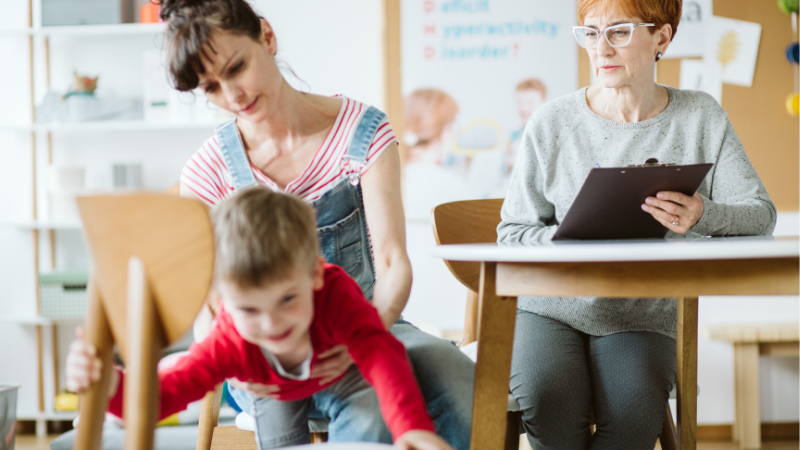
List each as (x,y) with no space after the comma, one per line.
(659,12)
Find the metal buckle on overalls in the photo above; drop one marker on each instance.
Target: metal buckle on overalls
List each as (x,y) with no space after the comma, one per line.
(354,172)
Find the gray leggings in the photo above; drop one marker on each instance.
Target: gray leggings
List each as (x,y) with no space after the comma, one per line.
(559,375)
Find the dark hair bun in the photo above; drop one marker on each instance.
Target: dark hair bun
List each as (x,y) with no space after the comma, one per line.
(170,7)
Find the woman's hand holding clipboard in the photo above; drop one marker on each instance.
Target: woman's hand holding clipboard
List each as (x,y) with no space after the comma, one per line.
(635,202)
(675,210)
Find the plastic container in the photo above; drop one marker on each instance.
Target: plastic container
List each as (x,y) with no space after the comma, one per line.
(86,12)
(8,415)
(63,294)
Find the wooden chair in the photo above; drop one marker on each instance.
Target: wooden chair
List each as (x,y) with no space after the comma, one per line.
(475,222)
(749,342)
(153,260)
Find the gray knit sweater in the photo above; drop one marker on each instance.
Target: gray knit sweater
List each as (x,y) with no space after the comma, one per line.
(564,139)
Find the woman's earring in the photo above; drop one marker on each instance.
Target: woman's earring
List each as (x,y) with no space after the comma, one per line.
(658,56)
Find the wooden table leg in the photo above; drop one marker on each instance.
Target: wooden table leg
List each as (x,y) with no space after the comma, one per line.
(145,341)
(497,316)
(686,376)
(747,428)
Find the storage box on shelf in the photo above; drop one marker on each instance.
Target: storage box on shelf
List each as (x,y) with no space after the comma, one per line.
(63,294)
(86,12)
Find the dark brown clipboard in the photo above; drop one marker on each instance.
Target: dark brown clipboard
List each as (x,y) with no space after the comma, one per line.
(608,205)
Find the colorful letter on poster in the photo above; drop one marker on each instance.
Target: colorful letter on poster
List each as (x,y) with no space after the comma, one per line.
(473,73)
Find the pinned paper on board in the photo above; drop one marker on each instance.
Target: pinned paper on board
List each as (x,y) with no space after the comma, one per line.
(690,35)
(731,49)
(691,74)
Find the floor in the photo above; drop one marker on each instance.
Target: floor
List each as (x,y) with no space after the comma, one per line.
(29,442)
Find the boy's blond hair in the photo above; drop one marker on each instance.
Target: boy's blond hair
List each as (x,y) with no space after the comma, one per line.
(263,236)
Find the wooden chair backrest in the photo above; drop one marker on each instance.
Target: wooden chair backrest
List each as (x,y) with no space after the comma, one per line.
(466,222)
(173,238)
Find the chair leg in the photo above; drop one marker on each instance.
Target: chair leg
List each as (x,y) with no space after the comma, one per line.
(93,403)
(319,438)
(747,426)
(145,341)
(471,319)
(209,417)
(512,430)
(668,439)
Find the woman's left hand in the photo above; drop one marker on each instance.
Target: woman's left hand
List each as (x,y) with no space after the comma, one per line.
(676,211)
(256,389)
(331,364)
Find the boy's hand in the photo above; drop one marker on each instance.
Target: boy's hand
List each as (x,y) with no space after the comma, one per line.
(331,364)
(420,440)
(257,389)
(84,368)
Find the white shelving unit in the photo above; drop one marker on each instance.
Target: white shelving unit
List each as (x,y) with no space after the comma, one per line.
(47,132)
(106,126)
(125,29)
(42,225)
(26,320)
(53,415)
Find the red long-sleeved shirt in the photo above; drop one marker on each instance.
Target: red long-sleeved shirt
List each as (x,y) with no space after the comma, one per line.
(341,316)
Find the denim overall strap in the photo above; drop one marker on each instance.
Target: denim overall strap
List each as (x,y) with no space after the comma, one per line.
(341,219)
(356,156)
(232,147)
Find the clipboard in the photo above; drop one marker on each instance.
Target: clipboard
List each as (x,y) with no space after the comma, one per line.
(608,205)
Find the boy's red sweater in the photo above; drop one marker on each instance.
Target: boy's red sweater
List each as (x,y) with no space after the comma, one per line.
(342,315)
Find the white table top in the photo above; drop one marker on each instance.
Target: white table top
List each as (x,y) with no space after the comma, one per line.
(610,251)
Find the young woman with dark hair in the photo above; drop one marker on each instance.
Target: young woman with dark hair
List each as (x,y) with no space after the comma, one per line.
(334,152)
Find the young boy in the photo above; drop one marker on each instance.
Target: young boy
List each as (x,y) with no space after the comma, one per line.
(282,307)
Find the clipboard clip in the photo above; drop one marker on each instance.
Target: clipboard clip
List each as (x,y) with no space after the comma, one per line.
(652,162)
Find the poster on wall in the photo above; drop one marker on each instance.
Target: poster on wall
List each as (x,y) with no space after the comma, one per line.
(473,73)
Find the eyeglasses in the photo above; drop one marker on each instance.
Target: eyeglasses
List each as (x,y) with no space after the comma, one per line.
(616,35)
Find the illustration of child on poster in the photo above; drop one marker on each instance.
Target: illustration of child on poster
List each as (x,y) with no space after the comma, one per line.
(529,95)
(433,174)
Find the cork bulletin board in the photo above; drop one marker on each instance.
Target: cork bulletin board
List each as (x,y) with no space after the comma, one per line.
(769,134)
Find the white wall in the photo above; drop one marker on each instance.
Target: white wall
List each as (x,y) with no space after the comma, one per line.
(334,47)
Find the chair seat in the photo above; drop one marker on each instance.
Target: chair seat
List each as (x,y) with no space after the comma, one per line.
(246,422)
(343,446)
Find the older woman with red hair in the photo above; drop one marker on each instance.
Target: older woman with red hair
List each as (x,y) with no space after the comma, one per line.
(615,358)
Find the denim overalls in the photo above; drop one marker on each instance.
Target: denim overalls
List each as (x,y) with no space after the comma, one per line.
(445,375)
(341,222)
